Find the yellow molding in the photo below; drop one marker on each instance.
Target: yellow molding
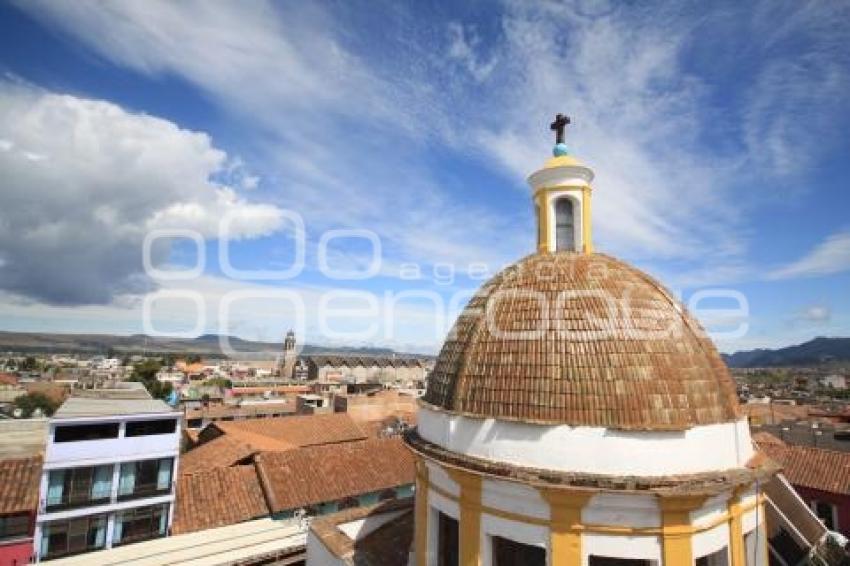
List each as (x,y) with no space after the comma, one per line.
(421,518)
(736,529)
(565,530)
(762,524)
(676,529)
(586,219)
(543,212)
(543,229)
(470,516)
(595,527)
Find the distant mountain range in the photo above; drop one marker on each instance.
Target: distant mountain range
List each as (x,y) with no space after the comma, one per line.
(208,345)
(815,352)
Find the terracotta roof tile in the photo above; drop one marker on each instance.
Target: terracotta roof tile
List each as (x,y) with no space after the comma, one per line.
(318,474)
(603,345)
(763,438)
(806,466)
(304,430)
(217,498)
(8,379)
(19,483)
(217,453)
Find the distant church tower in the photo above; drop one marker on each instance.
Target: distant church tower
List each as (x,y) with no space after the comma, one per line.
(287,362)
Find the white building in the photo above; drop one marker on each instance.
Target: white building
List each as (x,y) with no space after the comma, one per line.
(835,381)
(109,469)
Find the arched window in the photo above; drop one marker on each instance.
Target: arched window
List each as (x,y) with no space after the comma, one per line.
(564,225)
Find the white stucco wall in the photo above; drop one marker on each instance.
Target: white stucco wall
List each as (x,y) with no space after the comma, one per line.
(712,540)
(514,498)
(594,450)
(618,510)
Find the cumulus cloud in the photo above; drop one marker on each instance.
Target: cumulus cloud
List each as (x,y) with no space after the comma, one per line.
(828,257)
(85,180)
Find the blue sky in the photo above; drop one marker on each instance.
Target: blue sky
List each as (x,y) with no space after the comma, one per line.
(717,135)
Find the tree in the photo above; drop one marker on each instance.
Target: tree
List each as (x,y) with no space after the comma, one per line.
(29,364)
(145,373)
(35,400)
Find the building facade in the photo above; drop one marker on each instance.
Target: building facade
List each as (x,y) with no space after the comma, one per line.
(108,474)
(19,478)
(363,369)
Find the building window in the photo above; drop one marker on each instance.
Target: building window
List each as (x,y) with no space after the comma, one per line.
(14,526)
(716,558)
(564,225)
(61,538)
(77,433)
(145,478)
(138,524)
(595,560)
(147,428)
(76,487)
(826,513)
(448,541)
(507,552)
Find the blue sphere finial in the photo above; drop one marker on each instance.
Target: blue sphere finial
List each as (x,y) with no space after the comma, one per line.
(560,150)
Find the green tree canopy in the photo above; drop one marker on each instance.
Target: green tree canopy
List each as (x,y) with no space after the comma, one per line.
(31,401)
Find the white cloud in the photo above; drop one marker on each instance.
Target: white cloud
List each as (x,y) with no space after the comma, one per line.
(830,256)
(344,135)
(463,46)
(815,313)
(73,220)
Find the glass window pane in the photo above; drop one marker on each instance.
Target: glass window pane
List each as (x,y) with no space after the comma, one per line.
(511,553)
(564,225)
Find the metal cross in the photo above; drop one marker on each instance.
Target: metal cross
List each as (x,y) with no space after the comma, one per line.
(558,127)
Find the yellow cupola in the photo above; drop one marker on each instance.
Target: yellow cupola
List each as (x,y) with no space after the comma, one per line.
(562,194)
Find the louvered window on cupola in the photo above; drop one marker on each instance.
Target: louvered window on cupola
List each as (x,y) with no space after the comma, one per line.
(565,239)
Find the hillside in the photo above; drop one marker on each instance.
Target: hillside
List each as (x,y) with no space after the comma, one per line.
(207,345)
(814,352)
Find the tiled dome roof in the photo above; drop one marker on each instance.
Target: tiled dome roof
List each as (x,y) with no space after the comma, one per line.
(610,348)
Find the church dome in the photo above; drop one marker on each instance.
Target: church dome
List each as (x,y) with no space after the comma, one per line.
(583,340)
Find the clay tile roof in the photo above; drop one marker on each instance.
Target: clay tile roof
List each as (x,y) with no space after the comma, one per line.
(309,476)
(217,498)
(302,430)
(815,468)
(8,379)
(613,349)
(19,482)
(763,438)
(218,453)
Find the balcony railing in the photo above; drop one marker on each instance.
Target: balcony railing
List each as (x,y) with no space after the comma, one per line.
(145,490)
(74,500)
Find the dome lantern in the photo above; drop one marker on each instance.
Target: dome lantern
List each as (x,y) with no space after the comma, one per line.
(561,192)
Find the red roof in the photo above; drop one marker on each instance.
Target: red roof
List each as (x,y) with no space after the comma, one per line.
(806,466)
(302,430)
(8,379)
(310,476)
(19,483)
(217,498)
(227,450)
